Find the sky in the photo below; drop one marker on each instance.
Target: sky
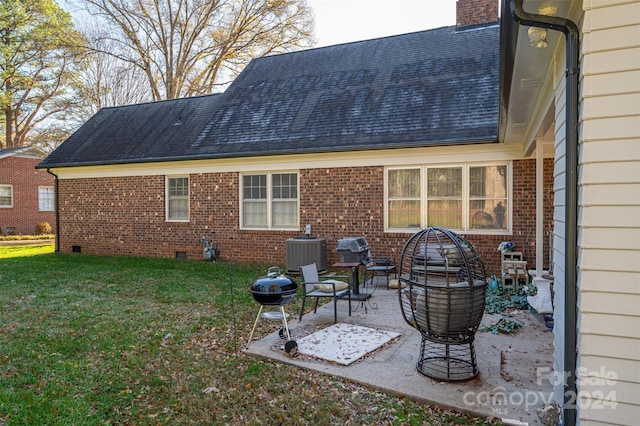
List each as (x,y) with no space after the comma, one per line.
(343,21)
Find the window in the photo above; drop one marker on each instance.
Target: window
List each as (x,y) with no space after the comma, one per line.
(444,197)
(404,198)
(178,199)
(270,201)
(459,197)
(45,198)
(488,197)
(6,196)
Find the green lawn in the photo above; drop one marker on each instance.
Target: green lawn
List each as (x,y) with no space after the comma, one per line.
(22,250)
(87,340)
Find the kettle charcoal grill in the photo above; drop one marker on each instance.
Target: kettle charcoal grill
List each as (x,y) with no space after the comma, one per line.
(275,289)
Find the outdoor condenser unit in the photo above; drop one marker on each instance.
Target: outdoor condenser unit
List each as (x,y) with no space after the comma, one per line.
(305,251)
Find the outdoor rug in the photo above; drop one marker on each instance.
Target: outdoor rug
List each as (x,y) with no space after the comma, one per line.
(344,343)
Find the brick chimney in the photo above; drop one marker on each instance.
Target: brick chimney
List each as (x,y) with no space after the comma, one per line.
(470,13)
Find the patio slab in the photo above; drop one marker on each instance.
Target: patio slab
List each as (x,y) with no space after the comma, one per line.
(515,369)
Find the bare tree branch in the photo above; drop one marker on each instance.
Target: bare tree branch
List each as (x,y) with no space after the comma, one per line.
(183,46)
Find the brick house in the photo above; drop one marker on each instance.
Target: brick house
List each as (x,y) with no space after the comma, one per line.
(369,131)
(324,137)
(26,193)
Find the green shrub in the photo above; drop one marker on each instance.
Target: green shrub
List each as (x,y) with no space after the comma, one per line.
(43,228)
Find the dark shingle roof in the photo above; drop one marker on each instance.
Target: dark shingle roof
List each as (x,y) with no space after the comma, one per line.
(425,88)
(135,133)
(429,87)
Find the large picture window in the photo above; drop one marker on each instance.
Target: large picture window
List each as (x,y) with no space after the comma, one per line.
(270,201)
(45,198)
(178,198)
(465,198)
(6,196)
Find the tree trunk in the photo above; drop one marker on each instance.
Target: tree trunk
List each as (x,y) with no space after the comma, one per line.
(8,125)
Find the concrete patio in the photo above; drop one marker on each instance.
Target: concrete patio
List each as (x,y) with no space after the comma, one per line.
(515,377)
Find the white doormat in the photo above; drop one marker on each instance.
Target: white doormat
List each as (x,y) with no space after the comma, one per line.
(344,343)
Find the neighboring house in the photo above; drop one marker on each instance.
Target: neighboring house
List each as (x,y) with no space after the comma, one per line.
(26,194)
(463,127)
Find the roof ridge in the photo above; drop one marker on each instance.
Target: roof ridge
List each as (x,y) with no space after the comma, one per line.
(368,40)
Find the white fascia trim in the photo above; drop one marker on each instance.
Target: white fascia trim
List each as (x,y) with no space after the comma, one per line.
(385,158)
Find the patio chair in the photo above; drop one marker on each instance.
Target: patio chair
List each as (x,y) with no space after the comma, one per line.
(334,286)
(381,266)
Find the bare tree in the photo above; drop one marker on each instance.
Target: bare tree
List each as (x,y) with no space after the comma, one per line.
(107,81)
(184,47)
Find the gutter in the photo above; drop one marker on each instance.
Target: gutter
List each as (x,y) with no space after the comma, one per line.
(57,250)
(572,37)
(491,139)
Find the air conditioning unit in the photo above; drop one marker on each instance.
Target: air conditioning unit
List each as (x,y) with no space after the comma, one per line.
(305,251)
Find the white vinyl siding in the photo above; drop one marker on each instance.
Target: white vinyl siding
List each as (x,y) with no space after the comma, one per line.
(609,214)
(558,255)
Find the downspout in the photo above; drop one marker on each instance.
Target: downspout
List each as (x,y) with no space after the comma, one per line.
(57,210)
(572,36)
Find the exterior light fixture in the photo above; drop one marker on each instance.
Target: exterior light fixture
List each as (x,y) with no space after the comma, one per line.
(537,37)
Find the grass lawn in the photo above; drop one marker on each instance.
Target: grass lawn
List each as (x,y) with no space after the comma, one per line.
(115,340)
(22,250)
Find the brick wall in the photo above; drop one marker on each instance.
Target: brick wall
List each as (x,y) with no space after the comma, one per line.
(126,216)
(524,218)
(475,12)
(25,214)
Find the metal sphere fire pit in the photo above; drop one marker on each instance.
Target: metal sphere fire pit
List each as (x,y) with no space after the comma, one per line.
(443,297)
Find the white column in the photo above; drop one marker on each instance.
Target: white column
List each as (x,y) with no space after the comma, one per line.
(541,302)
(539,207)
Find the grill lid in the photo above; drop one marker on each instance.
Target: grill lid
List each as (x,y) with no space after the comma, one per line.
(353,244)
(275,288)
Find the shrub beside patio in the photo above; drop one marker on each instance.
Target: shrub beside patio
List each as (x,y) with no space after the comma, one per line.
(95,340)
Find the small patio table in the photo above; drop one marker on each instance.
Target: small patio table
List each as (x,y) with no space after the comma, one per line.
(355,277)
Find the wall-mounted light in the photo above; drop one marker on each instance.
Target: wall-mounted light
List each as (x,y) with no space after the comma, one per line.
(538,36)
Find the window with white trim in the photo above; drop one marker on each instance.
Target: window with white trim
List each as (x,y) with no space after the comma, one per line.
(466,198)
(6,196)
(177,188)
(269,200)
(45,198)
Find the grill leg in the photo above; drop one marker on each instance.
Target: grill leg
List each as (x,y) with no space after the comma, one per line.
(284,323)
(302,309)
(254,326)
